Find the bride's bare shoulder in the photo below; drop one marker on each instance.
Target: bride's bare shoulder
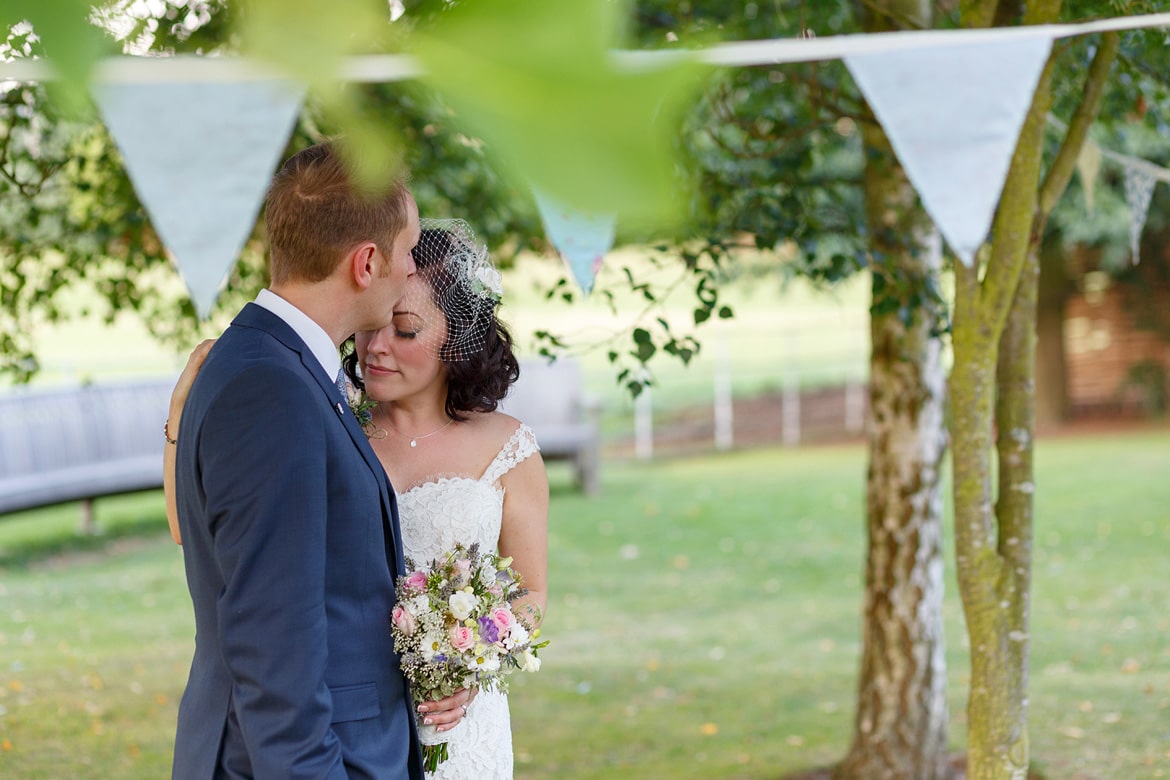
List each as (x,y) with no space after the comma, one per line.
(493,425)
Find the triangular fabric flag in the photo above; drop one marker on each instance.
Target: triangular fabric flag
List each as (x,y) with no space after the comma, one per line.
(201,156)
(582,239)
(953,115)
(1139,189)
(1088,166)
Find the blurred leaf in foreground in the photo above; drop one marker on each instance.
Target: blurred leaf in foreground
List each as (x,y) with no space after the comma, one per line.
(536,82)
(66,37)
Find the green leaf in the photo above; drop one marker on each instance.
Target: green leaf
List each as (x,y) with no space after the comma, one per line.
(535,80)
(71,43)
(308,39)
(644,351)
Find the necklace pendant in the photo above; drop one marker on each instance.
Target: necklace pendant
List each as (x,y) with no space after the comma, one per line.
(414,442)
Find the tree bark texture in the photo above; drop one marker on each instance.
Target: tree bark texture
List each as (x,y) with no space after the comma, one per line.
(900,729)
(993,387)
(994,324)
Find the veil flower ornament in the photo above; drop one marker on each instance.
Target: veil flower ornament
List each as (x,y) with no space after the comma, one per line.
(486,280)
(462,281)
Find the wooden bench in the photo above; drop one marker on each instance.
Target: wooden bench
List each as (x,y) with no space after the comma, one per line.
(81,443)
(551,399)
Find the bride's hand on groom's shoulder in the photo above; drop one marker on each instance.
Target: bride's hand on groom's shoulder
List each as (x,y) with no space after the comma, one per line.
(445,714)
(186,379)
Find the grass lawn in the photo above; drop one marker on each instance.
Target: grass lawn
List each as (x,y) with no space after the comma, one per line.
(704,618)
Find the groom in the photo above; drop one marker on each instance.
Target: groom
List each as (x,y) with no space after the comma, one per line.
(290,531)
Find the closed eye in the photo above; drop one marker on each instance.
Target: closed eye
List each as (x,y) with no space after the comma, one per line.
(405,334)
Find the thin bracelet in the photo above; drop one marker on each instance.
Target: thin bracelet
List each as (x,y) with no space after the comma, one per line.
(167,433)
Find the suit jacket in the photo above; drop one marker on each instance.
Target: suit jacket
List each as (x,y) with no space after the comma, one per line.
(291,546)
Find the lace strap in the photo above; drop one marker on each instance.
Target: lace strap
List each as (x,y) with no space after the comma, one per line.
(518,448)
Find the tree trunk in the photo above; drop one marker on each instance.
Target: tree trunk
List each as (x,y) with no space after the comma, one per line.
(994,341)
(900,730)
(1051,368)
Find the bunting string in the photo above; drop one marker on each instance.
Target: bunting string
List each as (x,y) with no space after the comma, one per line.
(1140,178)
(397,67)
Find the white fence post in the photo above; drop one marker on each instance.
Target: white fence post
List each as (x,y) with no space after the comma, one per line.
(724,410)
(790,400)
(854,406)
(644,425)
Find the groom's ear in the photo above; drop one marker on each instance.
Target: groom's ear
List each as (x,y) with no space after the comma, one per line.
(362,263)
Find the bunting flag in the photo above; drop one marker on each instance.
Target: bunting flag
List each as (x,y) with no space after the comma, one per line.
(1139,189)
(953,115)
(201,156)
(1088,166)
(582,239)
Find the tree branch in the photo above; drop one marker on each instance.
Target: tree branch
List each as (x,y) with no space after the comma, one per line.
(1042,11)
(1015,215)
(894,19)
(1061,170)
(1008,13)
(975,14)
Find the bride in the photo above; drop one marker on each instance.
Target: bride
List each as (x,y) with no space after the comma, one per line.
(463,471)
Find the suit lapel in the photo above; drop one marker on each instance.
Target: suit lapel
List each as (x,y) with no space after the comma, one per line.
(254,316)
(362,442)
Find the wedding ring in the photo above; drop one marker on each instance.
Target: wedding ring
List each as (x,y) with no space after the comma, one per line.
(464,706)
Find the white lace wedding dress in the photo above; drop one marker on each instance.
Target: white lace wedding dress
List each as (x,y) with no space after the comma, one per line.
(434,515)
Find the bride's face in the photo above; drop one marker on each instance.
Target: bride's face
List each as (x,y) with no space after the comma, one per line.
(401,359)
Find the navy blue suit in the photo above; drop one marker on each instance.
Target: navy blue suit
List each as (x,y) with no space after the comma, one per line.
(291,546)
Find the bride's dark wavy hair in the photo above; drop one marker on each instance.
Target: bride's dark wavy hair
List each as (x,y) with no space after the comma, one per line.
(480,382)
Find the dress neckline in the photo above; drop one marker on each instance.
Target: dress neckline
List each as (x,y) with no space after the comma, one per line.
(446,478)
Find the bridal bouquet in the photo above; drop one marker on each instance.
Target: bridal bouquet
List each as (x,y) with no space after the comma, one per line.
(454,628)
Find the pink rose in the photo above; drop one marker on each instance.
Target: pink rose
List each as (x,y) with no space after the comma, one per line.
(503,618)
(462,638)
(403,619)
(416,581)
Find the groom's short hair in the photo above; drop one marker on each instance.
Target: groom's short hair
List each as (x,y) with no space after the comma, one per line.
(314,213)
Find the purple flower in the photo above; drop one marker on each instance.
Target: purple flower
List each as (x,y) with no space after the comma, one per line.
(488,630)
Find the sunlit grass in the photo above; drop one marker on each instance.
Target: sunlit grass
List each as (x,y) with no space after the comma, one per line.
(704,618)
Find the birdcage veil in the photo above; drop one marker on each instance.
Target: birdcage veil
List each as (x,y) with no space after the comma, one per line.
(456,274)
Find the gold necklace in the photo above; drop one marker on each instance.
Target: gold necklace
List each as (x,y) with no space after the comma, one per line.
(414,440)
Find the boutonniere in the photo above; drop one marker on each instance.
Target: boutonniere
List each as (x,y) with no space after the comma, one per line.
(362,407)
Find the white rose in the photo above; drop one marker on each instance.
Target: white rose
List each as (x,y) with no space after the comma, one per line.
(462,603)
(530,663)
(491,280)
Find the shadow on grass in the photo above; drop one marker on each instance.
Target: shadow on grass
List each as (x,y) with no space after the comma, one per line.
(34,537)
(31,538)
(958,763)
(32,552)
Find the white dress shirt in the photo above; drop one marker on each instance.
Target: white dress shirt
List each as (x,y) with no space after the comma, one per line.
(318,341)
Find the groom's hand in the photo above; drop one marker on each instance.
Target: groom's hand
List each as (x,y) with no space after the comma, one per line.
(445,714)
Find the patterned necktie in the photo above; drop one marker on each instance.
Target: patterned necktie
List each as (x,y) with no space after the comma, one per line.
(340,381)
